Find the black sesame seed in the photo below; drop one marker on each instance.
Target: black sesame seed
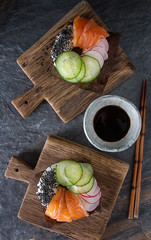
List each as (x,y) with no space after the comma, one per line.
(47,187)
(62,42)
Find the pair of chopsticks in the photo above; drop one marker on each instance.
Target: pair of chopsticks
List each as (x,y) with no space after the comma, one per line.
(138,160)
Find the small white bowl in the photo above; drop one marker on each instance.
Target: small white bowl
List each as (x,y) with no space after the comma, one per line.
(128,139)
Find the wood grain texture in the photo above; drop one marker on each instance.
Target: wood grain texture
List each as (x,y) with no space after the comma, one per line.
(67,99)
(20,169)
(108,171)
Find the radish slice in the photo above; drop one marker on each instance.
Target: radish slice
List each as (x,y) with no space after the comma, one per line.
(93,194)
(100,50)
(92,200)
(97,56)
(101,47)
(92,190)
(101,44)
(97,48)
(105,43)
(90,207)
(106,56)
(96,191)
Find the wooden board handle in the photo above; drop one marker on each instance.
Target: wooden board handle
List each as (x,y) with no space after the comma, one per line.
(27,102)
(18,169)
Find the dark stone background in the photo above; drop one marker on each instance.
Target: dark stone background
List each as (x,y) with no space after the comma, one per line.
(22,23)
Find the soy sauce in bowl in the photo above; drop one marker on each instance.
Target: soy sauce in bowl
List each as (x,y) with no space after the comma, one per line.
(111,123)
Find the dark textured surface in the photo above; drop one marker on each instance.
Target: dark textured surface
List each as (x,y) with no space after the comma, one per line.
(21,25)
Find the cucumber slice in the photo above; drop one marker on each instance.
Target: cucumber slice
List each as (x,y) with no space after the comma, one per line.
(80,75)
(73,171)
(86,176)
(89,166)
(84,189)
(68,64)
(92,68)
(60,173)
(67,170)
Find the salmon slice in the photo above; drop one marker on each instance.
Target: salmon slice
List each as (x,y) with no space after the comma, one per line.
(92,25)
(75,206)
(88,39)
(101,31)
(52,209)
(86,33)
(63,212)
(78,27)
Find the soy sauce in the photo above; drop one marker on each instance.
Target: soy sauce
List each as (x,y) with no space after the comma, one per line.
(111,123)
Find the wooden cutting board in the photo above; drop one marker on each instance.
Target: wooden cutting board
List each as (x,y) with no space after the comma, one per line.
(65,98)
(109,173)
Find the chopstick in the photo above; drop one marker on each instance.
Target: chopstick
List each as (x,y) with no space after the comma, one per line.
(136,180)
(140,163)
(135,168)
